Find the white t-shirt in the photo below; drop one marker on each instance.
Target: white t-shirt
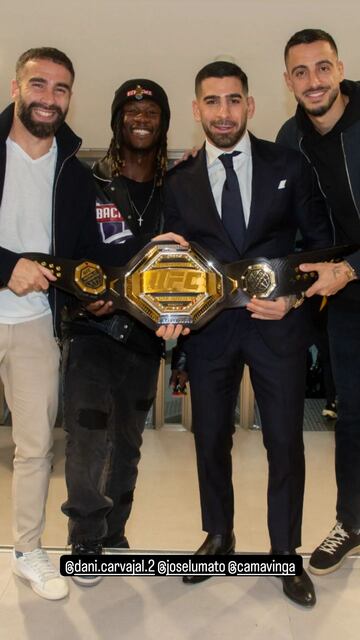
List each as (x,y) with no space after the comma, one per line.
(26,222)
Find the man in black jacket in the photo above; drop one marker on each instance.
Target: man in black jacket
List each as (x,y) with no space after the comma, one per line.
(326,129)
(112,361)
(47,205)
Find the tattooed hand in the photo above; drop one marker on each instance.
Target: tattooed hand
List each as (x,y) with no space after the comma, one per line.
(332,277)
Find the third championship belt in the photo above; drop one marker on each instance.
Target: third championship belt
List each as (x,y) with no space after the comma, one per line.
(166,283)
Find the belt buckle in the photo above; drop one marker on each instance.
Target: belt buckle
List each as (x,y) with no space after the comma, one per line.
(258,280)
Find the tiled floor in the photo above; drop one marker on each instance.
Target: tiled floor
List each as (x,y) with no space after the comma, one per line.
(166,516)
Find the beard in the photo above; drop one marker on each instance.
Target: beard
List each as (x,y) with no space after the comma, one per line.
(224,140)
(39,129)
(321,109)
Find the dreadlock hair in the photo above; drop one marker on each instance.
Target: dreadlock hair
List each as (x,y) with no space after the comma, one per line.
(116,144)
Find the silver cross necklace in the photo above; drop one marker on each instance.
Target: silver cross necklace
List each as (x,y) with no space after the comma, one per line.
(140,216)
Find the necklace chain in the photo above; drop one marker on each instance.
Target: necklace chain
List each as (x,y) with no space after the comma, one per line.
(134,207)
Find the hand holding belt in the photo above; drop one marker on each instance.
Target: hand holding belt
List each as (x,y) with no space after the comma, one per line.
(166,283)
(270,279)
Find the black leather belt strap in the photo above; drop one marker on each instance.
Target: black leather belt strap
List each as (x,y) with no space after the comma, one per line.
(84,279)
(167,283)
(270,279)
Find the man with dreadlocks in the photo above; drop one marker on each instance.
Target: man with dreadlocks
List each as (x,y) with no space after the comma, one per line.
(111,361)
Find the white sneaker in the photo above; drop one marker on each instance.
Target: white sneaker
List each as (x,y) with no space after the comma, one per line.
(44,579)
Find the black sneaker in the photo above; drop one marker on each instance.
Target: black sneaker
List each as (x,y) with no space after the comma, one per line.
(330,411)
(87,549)
(334,549)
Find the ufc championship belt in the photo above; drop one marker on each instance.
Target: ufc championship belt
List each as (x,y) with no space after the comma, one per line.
(166,283)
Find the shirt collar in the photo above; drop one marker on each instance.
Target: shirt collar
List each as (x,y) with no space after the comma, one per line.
(212,152)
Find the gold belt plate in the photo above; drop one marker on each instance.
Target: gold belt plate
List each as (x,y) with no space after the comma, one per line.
(173,285)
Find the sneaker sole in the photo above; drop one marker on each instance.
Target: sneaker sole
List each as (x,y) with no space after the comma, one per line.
(36,589)
(322,572)
(87,582)
(330,415)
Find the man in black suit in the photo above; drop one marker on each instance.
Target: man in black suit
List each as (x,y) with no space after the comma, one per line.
(245,197)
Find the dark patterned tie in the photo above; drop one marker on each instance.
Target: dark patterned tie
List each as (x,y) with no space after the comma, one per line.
(232,212)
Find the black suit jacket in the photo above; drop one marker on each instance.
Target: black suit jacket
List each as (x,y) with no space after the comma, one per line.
(285,200)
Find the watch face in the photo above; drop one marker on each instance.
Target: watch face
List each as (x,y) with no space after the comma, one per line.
(173,284)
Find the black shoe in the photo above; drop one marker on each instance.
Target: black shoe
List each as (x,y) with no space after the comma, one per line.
(89,548)
(299,589)
(214,544)
(334,549)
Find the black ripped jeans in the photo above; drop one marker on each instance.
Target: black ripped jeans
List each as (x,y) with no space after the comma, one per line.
(108,390)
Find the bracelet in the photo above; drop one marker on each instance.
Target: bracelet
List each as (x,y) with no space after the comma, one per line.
(298,301)
(350,271)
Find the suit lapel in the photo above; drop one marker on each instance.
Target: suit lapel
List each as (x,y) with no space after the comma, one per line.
(260,192)
(202,186)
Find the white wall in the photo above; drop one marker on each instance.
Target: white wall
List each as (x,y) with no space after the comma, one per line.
(110,41)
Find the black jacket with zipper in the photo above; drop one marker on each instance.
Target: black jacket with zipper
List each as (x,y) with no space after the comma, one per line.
(110,192)
(291,135)
(74,230)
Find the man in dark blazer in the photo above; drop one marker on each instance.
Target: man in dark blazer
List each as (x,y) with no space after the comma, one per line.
(273,196)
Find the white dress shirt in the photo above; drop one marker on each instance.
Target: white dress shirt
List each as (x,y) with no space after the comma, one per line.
(243,169)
